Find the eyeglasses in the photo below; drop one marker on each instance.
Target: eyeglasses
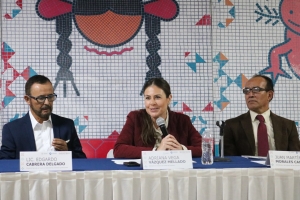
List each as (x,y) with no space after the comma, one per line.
(254,90)
(42,99)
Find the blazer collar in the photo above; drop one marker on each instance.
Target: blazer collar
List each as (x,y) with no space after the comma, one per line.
(248,130)
(56,125)
(172,122)
(27,127)
(278,129)
(28,131)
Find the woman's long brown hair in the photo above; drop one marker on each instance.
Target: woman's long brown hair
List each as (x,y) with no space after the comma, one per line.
(148,131)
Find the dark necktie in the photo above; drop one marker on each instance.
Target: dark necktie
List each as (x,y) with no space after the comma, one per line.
(262,137)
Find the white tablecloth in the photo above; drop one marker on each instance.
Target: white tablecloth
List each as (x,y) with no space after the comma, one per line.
(206,184)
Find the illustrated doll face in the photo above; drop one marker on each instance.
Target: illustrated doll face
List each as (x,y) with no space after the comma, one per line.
(108,23)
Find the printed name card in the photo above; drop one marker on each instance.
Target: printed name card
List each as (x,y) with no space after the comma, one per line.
(46,161)
(283,159)
(167,159)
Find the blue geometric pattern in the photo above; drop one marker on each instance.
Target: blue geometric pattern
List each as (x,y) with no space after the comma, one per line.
(7,100)
(7,48)
(80,127)
(15,12)
(218,59)
(232,12)
(238,81)
(202,120)
(202,130)
(198,59)
(222,60)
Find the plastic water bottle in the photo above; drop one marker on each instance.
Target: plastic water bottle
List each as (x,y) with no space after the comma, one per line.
(207,148)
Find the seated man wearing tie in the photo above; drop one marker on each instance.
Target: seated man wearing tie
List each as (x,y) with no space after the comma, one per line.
(259,130)
(40,129)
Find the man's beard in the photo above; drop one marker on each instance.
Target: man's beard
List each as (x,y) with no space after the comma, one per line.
(39,112)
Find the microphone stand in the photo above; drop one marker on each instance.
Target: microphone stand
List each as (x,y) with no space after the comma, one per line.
(221,159)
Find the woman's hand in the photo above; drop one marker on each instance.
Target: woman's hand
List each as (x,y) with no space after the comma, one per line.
(169,143)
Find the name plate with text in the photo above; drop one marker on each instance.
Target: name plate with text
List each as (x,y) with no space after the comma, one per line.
(284,159)
(46,161)
(167,159)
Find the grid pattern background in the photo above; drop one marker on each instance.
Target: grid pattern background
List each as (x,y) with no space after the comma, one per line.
(206,52)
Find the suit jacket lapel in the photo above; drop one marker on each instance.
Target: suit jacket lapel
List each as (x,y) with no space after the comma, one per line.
(55,122)
(248,130)
(277,130)
(28,133)
(171,123)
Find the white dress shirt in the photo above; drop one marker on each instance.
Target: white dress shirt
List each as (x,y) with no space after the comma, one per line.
(43,134)
(269,126)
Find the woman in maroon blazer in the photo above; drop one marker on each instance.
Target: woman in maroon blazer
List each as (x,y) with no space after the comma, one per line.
(141,133)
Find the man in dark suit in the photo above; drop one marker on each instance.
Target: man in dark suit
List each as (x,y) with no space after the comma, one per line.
(241,133)
(39,129)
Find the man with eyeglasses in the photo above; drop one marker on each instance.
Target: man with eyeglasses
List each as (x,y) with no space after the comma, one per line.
(259,130)
(40,129)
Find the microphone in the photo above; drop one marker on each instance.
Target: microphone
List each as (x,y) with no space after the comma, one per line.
(161,123)
(221,125)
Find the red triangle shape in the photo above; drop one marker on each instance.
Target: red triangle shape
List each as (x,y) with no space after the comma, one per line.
(7,91)
(19,3)
(25,73)
(114,135)
(7,83)
(7,55)
(209,107)
(204,21)
(186,54)
(16,74)
(7,66)
(7,16)
(186,108)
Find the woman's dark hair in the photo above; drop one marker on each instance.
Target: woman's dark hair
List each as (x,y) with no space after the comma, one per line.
(159,82)
(148,132)
(35,79)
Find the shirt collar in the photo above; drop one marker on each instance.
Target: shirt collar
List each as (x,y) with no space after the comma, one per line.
(34,122)
(266,115)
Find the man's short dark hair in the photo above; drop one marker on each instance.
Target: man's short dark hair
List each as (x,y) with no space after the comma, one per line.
(269,85)
(35,79)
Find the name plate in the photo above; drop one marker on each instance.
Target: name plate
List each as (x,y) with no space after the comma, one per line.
(283,159)
(46,161)
(167,159)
